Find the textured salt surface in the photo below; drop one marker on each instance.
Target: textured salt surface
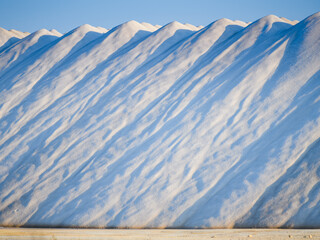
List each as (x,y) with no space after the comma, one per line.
(173,126)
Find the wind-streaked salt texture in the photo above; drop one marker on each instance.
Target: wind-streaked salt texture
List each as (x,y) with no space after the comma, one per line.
(173,126)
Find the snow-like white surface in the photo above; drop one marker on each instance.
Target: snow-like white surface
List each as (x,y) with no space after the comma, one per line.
(102,29)
(18,34)
(192,27)
(31,43)
(9,37)
(141,126)
(56,33)
(149,26)
(290,21)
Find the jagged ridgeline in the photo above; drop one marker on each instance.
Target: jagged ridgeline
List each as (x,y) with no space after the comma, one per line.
(173,126)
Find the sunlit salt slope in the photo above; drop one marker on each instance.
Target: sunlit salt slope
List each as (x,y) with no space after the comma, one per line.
(173,126)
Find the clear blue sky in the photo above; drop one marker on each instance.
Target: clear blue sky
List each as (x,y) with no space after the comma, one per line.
(64,15)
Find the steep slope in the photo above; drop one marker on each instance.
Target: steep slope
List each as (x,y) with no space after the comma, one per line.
(25,47)
(176,126)
(10,37)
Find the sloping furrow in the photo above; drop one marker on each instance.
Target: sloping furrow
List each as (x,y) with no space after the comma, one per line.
(171,127)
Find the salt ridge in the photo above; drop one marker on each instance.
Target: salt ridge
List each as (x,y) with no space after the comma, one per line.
(173,126)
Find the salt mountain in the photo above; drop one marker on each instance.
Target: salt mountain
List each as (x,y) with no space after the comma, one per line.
(174,126)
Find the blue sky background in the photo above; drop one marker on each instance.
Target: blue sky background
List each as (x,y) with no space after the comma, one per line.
(64,15)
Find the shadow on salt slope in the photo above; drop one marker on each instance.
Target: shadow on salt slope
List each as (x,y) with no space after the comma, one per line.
(81,84)
(37,89)
(258,213)
(179,36)
(56,141)
(247,169)
(20,169)
(176,87)
(36,55)
(222,85)
(42,42)
(279,198)
(256,52)
(99,186)
(11,41)
(225,82)
(98,69)
(9,120)
(159,54)
(174,49)
(92,196)
(136,171)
